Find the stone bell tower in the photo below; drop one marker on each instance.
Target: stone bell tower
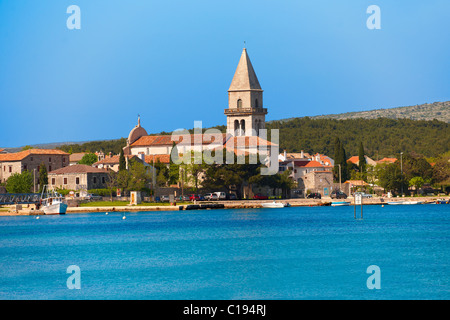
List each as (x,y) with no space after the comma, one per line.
(245,113)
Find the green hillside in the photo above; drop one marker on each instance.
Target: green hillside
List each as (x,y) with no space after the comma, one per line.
(381,137)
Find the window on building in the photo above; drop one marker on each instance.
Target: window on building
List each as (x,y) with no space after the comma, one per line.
(64,160)
(94,180)
(103,180)
(236,127)
(239,103)
(65,180)
(49,159)
(31,158)
(49,168)
(242,127)
(77,180)
(10,168)
(53,181)
(25,167)
(256,103)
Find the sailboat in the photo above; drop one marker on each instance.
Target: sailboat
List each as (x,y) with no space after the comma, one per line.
(52,202)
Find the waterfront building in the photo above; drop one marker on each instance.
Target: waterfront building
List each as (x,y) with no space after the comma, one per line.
(78,177)
(31,160)
(309,175)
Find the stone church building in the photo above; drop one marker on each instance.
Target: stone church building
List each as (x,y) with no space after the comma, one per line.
(245,118)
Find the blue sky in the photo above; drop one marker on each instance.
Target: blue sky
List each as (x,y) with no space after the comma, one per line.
(173,61)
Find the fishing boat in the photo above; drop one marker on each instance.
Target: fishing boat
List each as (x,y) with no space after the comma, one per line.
(52,202)
(273,205)
(340,203)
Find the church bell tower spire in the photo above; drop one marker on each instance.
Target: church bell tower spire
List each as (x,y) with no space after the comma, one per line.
(245,113)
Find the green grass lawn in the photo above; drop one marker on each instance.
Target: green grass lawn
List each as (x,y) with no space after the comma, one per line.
(125,203)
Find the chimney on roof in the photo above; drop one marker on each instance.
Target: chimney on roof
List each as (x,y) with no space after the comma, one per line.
(110,154)
(285,155)
(302,155)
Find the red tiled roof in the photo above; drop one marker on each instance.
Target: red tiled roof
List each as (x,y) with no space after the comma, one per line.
(356,182)
(23,154)
(314,164)
(78,168)
(188,139)
(240,142)
(163,158)
(354,159)
(392,160)
(75,157)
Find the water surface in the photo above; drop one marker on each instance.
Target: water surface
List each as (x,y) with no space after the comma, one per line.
(289,253)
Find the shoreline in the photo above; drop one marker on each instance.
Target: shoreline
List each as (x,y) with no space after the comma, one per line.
(236,204)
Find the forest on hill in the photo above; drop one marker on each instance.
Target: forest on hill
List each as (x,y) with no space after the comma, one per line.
(381,137)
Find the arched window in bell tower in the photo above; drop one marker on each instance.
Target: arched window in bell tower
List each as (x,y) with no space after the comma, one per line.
(242,128)
(236,127)
(239,103)
(256,103)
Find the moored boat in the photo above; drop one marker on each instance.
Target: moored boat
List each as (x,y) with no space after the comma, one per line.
(340,203)
(403,202)
(52,202)
(272,205)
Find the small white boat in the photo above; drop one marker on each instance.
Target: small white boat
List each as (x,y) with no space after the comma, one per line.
(413,202)
(52,202)
(273,205)
(340,203)
(403,202)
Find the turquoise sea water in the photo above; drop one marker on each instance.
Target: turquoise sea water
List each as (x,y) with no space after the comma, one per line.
(289,253)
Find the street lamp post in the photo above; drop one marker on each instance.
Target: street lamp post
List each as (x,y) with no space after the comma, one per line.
(401,169)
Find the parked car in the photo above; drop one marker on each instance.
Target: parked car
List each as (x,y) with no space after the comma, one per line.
(363,194)
(338,194)
(165,198)
(231,196)
(314,195)
(221,195)
(211,196)
(183,198)
(197,197)
(259,196)
(93,197)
